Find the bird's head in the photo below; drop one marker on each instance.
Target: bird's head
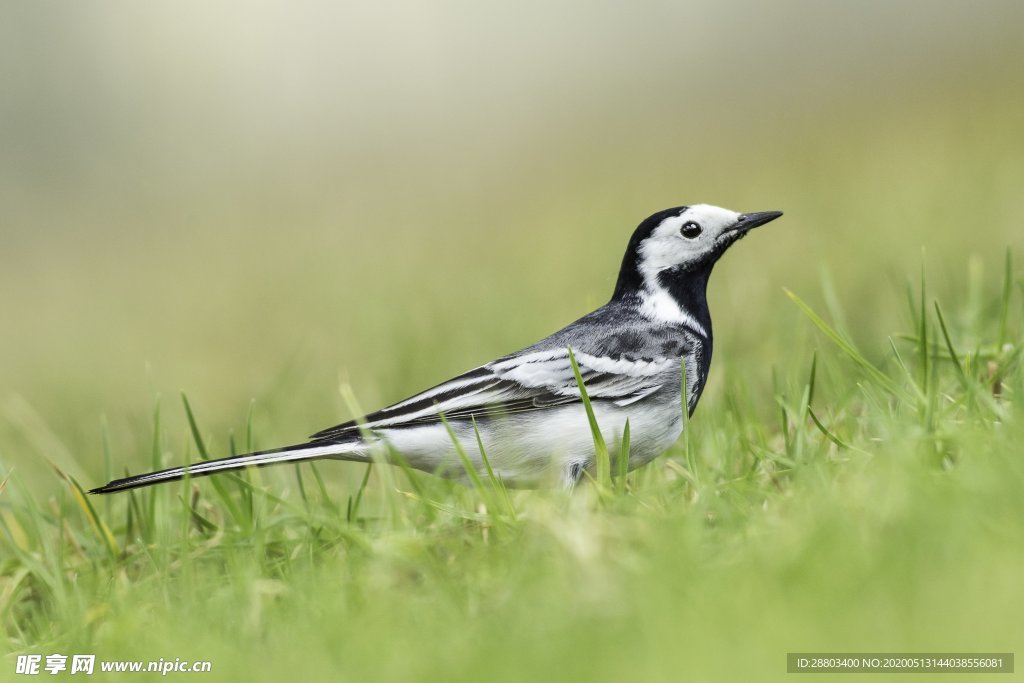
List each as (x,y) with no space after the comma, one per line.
(677,247)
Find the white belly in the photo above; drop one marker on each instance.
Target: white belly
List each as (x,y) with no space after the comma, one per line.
(532,447)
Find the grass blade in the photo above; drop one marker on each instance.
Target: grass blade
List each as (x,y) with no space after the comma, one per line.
(353,506)
(829,435)
(953,355)
(622,461)
(100,529)
(218,485)
(846,347)
(467,465)
(922,337)
(496,483)
(1004,303)
(602,465)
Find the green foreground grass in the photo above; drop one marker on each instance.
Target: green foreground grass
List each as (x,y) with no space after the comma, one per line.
(879,506)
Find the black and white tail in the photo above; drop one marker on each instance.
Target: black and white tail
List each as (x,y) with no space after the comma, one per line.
(350,450)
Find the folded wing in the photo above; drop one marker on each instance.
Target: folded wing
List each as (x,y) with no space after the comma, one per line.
(518,384)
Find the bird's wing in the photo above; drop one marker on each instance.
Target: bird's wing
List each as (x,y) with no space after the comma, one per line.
(521,383)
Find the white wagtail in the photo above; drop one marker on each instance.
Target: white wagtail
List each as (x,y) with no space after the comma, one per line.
(526,407)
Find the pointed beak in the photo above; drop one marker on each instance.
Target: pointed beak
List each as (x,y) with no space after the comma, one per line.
(749,221)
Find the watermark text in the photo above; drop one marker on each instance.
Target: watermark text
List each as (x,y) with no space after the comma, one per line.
(87,664)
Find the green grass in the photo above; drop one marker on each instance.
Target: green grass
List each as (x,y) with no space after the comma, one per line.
(879,507)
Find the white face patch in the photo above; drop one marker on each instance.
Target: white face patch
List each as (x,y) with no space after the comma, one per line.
(668,247)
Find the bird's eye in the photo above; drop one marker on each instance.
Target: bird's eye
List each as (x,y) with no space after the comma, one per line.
(690,230)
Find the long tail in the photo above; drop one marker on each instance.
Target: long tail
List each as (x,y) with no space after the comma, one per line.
(349,450)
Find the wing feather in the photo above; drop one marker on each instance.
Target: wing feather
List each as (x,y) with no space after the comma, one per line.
(519,384)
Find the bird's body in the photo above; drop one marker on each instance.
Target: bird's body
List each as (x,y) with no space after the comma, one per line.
(526,408)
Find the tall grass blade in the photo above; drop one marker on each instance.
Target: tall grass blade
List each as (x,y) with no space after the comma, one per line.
(1004,303)
(497,484)
(953,355)
(102,532)
(812,379)
(602,464)
(846,347)
(389,487)
(150,494)
(622,461)
(353,507)
(108,466)
(467,465)
(922,337)
(829,435)
(684,393)
(215,480)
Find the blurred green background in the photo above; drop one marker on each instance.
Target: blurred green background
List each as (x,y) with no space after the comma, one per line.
(258,202)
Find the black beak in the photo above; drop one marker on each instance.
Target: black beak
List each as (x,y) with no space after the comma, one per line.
(749,221)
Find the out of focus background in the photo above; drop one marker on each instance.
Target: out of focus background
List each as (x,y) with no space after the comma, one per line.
(252,201)
(258,203)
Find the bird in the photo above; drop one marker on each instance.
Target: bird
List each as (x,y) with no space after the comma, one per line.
(526,409)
